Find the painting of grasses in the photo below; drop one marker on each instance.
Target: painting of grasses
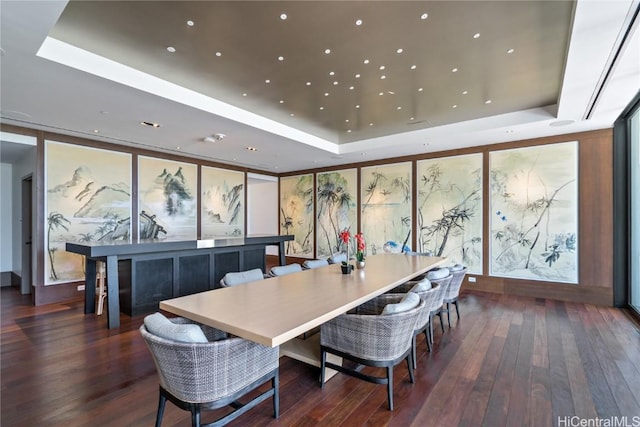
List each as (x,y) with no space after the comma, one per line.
(296,214)
(534,212)
(385,207)
(449,209)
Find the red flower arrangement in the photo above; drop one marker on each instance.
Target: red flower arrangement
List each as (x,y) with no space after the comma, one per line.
(361,246)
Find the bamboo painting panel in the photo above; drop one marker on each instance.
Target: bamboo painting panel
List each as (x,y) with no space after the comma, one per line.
(385,211)
(167,199)
(296,214)
(336,198)
(449,209)
(534,213)
(87,199)
(222,202)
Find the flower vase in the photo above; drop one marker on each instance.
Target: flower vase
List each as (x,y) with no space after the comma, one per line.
(360,265)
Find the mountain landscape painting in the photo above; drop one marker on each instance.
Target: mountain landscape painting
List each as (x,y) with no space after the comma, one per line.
(296,214)
(534,212)
(385,207)
(222,202)
(167,199)
(88,199)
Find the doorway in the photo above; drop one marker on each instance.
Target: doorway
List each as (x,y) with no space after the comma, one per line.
(27,225)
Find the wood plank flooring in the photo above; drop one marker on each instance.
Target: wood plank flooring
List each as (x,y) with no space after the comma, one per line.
(508,361)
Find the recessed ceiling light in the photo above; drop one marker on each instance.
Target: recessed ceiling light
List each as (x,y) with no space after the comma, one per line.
(178,147)
(358,22)
(381,67)
(351,88)
(382,77)
(244,94)
(488,101)
(335,83)
(348,130)
(454,106)
(280,58)
(476,35)
(420,89)
(357,106)
(171,49)
(413,67)
(370,124)
(252,149)
(357,76)
(322,108)
(282,101)
(96,131)
(332,73)
(218,54)
(326,94)
(424,16)
(464,92)
(390,92)
(283,16)
(308,83)
(399,50)
(346,121)
(511,51)
(267,81)
(363,154)
(398,108)
(327,51)
(155,125)
(216,137)
(366,61)
(454,70)
(191,23)
(412,118)
(381,93)
(509,131)
(292,114)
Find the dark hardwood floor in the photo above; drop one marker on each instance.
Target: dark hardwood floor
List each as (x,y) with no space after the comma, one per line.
(508,361)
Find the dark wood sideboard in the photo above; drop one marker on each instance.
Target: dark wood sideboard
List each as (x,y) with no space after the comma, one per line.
(141,274)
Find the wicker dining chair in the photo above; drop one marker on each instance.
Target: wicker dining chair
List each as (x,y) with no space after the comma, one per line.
(458,273)
(281,270)
(314,263)
(337,258)
(240,277)
(437,276)
(198,376)
(370,338)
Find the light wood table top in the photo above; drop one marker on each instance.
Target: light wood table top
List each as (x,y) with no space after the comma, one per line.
(273,311)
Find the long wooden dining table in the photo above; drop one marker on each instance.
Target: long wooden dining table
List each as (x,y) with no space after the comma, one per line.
(277,310)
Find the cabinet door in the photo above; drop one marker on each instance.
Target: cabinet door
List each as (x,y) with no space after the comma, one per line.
(194,274)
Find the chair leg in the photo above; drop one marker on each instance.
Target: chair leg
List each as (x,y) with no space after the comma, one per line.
(449,315)
(427,336)
(390,386)
(161,403)
(441,321)
(409,364)
(455,302)
(323,361)
(195,416)
(275,382)
(431,329)
(413,351)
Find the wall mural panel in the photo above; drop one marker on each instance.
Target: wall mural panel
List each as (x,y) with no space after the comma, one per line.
(167,192)
(385,196)
(534,212)
(296,214)
(449,205)
(337,209)
(222,202)
(88,199)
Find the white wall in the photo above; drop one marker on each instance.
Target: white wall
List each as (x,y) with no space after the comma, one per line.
(262,207)
(23,167)
(6,211)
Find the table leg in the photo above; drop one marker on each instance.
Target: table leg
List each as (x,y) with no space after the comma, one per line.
(282,258)
(90,286)
(113,293)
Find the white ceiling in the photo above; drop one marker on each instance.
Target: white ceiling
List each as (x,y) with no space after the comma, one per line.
(50,80)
